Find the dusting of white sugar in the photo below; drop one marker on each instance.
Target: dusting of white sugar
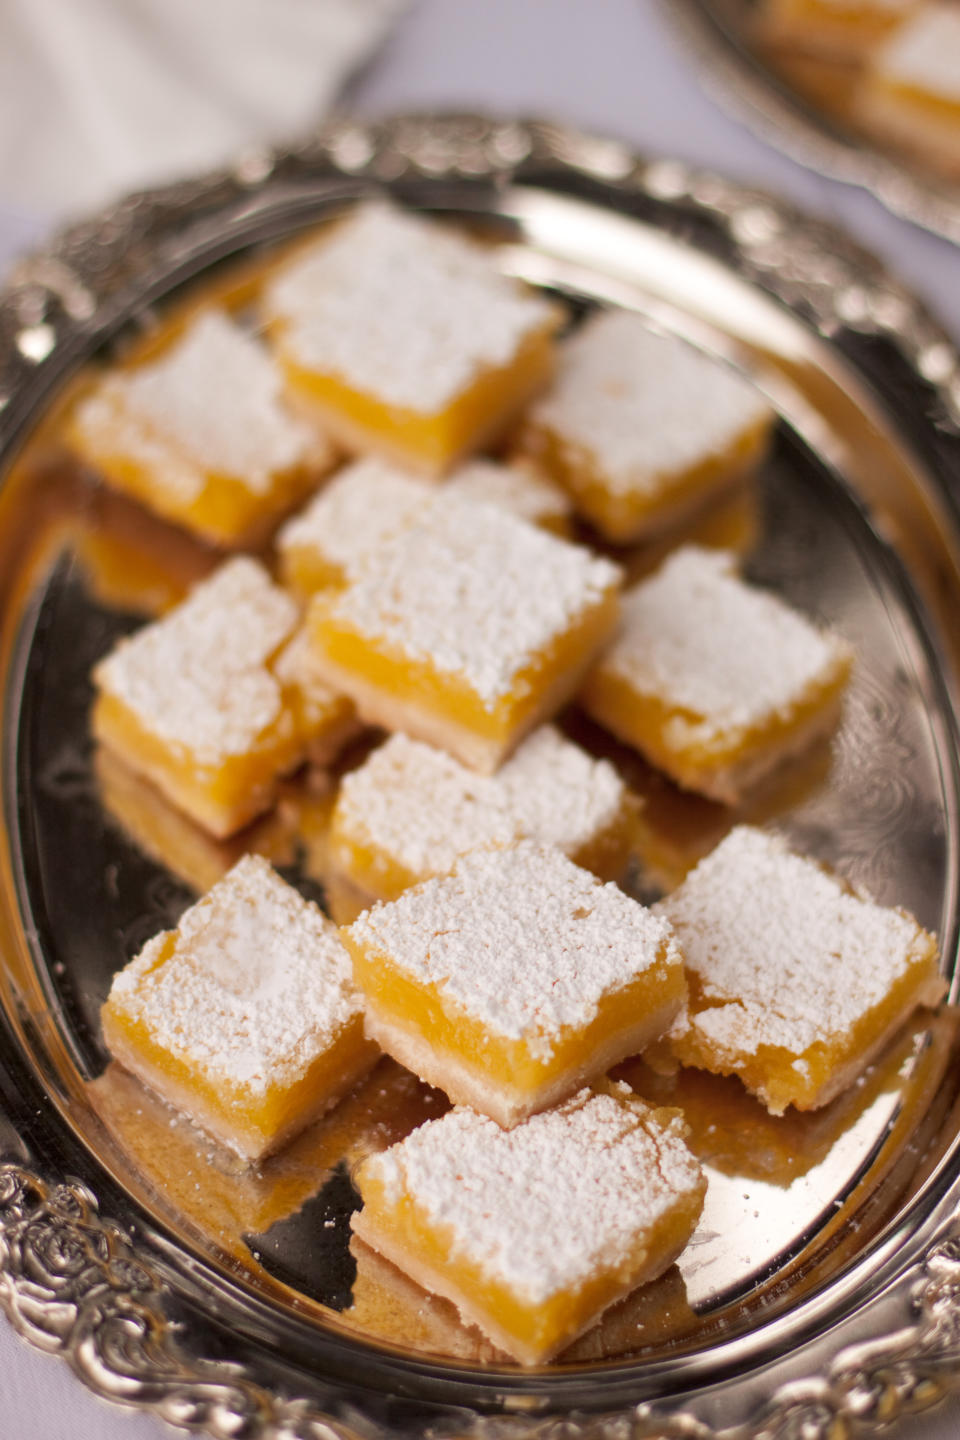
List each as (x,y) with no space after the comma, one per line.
(704,642)
(924,53)
(198,678)
(401,309)
(542,1207)
(474,592)
(558,793)
(644,406)
(257,985)
(420,807)
(513,488)
(211,404)
(372,500)
(363,505)
(423,809)
(520,939)
(783,953)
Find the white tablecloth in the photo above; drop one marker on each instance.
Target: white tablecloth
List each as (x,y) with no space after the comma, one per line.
(610,65)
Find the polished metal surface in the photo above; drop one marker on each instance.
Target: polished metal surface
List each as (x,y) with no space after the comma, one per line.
(802,118)
(824,1281)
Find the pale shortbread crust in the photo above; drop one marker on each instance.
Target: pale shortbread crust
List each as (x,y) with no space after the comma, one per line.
(244,1140)
(438,1282)
(466,1085)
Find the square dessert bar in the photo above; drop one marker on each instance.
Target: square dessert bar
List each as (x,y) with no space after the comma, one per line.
(518,487)
(202,435)
(372,500)
(515,979)
(467,629)
(911,91)
(641,428)
(834,29)
(796,981)
(406,337)
(205,705)
(410,811)
(713,680)
(245,1017)
(534,1232)
(364,504)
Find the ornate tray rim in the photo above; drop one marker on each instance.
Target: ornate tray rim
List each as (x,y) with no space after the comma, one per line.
(739,81)
(73,1282)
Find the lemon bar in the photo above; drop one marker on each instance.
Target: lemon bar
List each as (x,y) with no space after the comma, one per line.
(517,487)
(796,980)
(834,29)
(193,701)
(372,500)
(410,811)
(910,94)
(514,980)
(714,680)
(365,504)
(641,429)
(245,1017)
(203,436)
(466,630)
(406,338)
(534,1232)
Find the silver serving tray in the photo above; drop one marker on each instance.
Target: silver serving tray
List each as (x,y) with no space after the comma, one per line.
(824,1285)
(743,76)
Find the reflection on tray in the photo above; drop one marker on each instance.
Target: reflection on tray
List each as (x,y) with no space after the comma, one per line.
(389,1306)
(190,853)
(679,828)
(733,1132)
(214,1191)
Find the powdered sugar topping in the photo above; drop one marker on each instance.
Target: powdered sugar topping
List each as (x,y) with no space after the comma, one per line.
(783,954)
(365,504)
(520,939)
(728,654)
(644,406)
(198,678)
(401,309)
(420,807)
(423,809)
(257,985)
(212,404)
(513,488)
(542,1207)
(474,592)
(370,501)
(558,793)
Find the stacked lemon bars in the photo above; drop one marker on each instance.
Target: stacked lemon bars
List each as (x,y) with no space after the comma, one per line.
(434,501)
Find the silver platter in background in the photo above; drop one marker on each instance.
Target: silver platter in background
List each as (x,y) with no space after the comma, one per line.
(801,107)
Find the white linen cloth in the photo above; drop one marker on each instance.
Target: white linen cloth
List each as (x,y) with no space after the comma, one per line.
(102,96)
